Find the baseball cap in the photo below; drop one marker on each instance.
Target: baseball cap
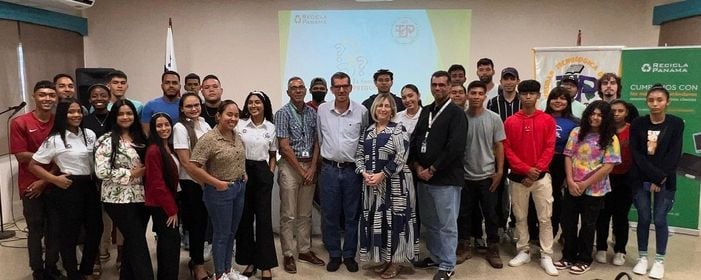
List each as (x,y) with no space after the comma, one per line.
(510,71)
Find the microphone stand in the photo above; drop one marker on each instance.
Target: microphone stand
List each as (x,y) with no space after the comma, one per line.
(5,234)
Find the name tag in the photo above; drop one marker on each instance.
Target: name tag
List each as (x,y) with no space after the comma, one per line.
(423,147)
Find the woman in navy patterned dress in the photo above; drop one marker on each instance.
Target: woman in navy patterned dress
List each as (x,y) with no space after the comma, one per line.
(388,227)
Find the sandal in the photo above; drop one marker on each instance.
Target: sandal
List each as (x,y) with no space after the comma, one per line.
(391,271)
(562,264)
(580,268)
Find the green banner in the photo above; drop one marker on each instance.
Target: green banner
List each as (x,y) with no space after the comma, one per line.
(679,70)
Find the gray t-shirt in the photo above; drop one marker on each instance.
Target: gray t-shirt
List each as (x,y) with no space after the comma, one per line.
(483,132)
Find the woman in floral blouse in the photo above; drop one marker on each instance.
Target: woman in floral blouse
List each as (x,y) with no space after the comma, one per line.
(119,164)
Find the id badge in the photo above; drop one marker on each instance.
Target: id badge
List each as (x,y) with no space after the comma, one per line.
(423,147)
(305,154)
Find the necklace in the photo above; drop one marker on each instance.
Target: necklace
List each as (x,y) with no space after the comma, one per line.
(102,123)
(206,111)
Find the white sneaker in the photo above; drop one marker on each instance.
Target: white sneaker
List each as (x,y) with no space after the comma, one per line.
(520,258)
(207,251)
(657,270)
(619,259)
(641,266)
(223,277)
(235,275)
(600,256)
(547,263)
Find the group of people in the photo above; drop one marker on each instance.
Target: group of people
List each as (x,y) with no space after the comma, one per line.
(498,155)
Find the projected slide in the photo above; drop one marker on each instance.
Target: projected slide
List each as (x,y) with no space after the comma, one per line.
(410,43)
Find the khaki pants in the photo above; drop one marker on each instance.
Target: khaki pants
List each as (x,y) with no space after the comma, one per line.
(543,198)
(295,209)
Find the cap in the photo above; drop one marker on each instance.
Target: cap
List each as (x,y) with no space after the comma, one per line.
(510,71)
(318,80)
(569,77)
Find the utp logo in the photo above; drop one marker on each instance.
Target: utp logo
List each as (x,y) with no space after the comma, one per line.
(404,31)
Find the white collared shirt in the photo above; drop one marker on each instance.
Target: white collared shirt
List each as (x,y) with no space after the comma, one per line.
(181,140)
(259,140)
(339,133)
(408,122)
(75,157)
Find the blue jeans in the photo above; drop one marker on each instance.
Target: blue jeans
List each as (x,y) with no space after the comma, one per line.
(340,191)
(663,202)
(225,209)
(440,206)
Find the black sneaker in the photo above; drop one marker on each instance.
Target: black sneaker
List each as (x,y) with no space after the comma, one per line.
(54,274)
(426,263)
(334,264)
(443,275)
(351,264)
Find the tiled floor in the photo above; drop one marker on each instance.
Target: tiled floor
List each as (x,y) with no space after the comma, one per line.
(683,262)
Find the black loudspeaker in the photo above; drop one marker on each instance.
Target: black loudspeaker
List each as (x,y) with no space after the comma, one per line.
(86,77)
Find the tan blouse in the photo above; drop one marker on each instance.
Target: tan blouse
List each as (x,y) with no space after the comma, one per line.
(222,158)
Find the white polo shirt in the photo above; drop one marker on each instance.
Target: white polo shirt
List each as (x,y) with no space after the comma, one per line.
(181,141)
(75,157)
(259,140)
(408,122)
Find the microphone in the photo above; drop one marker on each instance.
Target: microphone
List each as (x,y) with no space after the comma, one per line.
(18,107)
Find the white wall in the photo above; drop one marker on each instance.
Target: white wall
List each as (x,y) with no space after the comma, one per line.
(238,40)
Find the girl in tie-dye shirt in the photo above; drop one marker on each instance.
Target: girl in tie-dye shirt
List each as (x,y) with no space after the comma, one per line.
(590,154)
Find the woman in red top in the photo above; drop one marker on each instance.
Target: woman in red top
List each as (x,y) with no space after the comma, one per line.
(618,201)
(160,188)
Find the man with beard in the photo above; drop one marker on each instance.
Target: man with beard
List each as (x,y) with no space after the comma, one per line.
(383,79)
(485,72)
(609,89)
(168,103)
(211,92)
(318,90)
(65,88)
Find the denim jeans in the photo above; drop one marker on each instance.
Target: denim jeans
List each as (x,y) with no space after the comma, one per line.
(340,196)
(225,209)
(663,202)
(440,206)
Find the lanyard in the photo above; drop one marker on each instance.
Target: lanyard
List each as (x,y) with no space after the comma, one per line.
(431,119)
(296,115)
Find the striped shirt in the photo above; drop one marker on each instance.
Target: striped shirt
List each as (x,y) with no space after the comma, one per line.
(504,108)
(299,128)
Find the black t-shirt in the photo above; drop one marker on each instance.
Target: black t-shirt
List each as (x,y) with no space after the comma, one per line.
(209,115)
(96,122)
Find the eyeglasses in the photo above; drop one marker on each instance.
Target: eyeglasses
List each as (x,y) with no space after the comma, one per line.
(346,87)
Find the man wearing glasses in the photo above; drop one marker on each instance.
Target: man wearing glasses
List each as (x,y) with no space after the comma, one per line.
(295,126)
(340,125)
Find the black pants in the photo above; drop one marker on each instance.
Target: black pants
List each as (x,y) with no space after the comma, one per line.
(616,207)
(477,193)
(257,247)
(503,201)
(557,173)
(195,218)
(42,223)
(79,208)
(131,219)
(578,246)
(168,245)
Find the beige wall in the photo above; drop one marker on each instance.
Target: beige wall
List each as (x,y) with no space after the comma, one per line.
(238,40)
(682,32)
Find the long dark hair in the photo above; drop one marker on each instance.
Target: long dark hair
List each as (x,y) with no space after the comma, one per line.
(188,123)
(557,92)
(135,130)
(607,129)
(61,119)
(170,170)
(267,107)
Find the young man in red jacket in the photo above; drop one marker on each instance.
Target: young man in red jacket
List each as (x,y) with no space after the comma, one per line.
(529,148)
